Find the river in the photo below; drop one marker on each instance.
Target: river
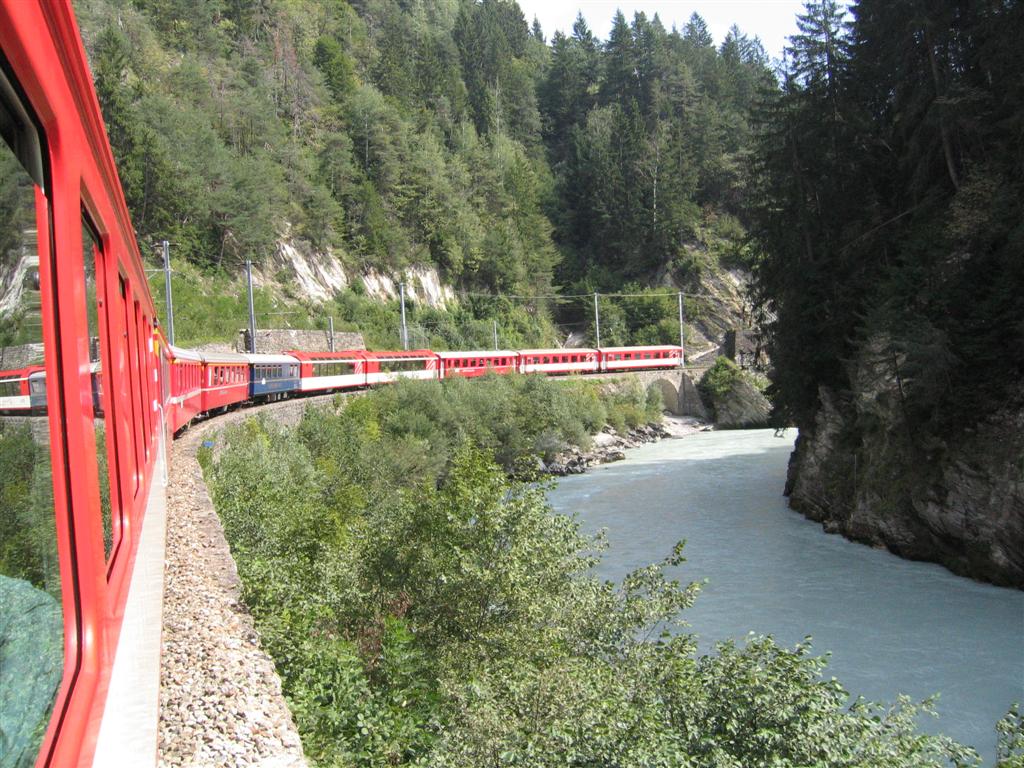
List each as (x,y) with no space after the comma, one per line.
(892,626)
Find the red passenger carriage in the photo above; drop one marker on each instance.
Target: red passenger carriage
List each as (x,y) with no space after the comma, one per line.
(386,367)
(225,380)
(557,361)
(16,390)
(640,358)
(322,371)
(469,364)
(186,387)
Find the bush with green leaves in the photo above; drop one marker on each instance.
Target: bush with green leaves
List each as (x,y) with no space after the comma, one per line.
(423,607)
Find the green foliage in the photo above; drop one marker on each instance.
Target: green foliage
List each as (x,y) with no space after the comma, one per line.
(445,135)
(1011,739)
(28,536)
(718,381)
(433,611)
(888,194)
(513,417)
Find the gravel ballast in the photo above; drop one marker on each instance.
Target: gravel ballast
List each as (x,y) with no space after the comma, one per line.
(220,696)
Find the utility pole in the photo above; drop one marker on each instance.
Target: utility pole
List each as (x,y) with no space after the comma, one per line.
(330,338)
(167,291)
(252,310)
(597,320)
(682,340)
(495,335)
(405,329)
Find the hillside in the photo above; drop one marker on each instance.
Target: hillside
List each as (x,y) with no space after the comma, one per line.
(890,210)
(347,147)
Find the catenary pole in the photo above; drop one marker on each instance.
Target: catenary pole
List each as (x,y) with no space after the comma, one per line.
(682,340)
(330,338)
(252,309)
(405,329)
(167,291)
(597,320)
(495,335)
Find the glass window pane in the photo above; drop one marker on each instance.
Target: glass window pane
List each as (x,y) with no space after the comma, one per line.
(93,259)
(31,615)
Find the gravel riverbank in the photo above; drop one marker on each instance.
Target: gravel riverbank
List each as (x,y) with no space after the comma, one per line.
(609,445)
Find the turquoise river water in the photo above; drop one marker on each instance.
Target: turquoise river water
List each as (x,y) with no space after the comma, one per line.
(892,626)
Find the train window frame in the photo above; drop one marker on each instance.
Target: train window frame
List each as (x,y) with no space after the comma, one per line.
(110,409)
(23,134)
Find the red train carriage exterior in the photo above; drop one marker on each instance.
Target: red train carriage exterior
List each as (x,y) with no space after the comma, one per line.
(80,671)
(386,367)
(636,358)
(184,369)
(16,390)
(320,371)
(557,361)
(225,380)
(469,364)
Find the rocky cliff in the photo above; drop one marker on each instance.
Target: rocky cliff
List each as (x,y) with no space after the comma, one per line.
(862,471)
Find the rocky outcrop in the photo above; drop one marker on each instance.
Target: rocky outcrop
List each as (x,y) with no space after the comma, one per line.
(608,446)
(273,341)
(732,396)
(742,407)
(957,500)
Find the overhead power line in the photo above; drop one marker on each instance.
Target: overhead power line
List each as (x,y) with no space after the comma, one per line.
(519,297)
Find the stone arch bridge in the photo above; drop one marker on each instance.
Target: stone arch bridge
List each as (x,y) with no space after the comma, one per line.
(678,387)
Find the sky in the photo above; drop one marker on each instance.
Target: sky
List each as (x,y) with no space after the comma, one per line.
(771,20)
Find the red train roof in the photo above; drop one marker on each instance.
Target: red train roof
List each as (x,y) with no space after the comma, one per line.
(341,354)
(416,354)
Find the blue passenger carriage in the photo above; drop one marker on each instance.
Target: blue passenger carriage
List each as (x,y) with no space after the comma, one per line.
(272,377)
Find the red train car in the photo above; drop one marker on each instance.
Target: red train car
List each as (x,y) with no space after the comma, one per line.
(558,361)
(23,391)
(80,633)
(225,380)
(185,393)
(323,371)
(386,367)
(639,358)
(469,364)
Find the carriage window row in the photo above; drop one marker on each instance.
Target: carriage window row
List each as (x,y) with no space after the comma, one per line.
(474,362)
(228,374)
(548,359)
(397,366)
(186,377)
(656,355)
(10,387)
(275,371)
(333,369)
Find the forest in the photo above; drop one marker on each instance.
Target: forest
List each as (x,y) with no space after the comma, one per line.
(870,180)
(449,134)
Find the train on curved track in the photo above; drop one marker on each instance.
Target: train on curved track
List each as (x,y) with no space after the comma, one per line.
(90,395)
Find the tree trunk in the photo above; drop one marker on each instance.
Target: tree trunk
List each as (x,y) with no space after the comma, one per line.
(947,146)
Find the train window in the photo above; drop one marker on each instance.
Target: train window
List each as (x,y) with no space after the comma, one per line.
(143,373)
(92,260)
(131,384)
(31,615)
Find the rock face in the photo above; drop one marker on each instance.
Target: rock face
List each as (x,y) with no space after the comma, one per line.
(281,340)
(958,501)
(609,446)
(742,407)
